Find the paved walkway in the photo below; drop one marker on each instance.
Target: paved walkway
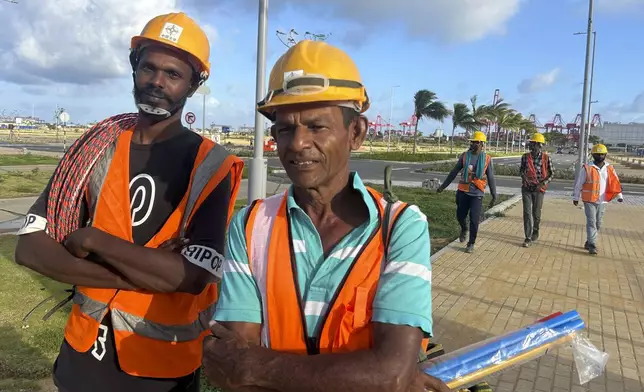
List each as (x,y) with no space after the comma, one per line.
(503,287)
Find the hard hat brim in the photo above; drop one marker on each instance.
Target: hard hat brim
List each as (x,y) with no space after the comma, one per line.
(329,96)
(138,41)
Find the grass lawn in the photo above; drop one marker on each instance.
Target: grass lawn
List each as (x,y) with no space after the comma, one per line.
(27,351)
(27,159)
(440,209)
(20,184)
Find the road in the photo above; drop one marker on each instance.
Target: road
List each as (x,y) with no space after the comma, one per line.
(374,169)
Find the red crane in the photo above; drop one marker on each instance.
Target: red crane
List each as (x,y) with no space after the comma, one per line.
(597,121)
(533,119)
(557,124)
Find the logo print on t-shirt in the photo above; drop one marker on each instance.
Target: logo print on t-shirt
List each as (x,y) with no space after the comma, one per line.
(142,198)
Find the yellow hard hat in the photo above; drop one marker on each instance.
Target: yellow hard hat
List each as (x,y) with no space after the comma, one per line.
(177,30)
(538,138)
(599,149)
(478,136)
(314,71)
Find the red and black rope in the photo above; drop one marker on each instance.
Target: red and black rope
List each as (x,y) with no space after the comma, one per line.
(71,177)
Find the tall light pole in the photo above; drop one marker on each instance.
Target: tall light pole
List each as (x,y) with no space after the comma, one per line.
(584,103)
(203,90)
(257,177)
(590,96)
(391,114)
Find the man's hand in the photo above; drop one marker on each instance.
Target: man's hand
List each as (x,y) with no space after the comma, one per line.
(543,184)
(424,382)
(575,202)
(439,189)
(492,203)
(225,358)
(77,243)
(174,244)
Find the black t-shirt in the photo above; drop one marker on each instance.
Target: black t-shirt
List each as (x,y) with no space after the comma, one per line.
(159,178)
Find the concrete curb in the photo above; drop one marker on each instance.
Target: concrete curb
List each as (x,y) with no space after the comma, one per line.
(489,216)
(504,206)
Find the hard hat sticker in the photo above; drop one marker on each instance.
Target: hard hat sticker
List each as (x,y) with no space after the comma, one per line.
(293,74)
(171,32)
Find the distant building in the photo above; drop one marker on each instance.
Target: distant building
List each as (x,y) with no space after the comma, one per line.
(620,135)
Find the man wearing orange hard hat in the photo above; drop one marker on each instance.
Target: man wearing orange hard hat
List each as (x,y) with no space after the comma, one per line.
(327,286)
(135,219)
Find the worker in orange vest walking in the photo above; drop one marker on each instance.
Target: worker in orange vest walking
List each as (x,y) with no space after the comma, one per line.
(597,184)
(330,266)
(477,171)
(536,172)
(135,219)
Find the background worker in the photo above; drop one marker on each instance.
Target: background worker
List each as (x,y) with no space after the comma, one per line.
(477,171)
(536,173)
(314,309)
(597,184)
(152,229)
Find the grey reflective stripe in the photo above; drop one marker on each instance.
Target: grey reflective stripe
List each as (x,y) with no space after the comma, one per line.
(97,178)
(209,166)
(123,321)
(92,308)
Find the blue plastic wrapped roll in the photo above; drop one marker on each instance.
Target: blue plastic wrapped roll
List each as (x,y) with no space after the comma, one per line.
(492,352)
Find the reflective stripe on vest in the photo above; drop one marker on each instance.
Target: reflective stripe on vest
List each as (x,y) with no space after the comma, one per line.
(346,320)
(479,183)
(157,335)
(122,321)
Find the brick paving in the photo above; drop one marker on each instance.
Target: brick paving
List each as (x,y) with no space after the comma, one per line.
(502,287)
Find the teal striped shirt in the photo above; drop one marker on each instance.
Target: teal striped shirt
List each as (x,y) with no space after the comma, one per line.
(404,293)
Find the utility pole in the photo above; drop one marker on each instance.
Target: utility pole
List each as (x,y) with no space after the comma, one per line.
(590,99)
(584,103)
(391,114)
(257,177)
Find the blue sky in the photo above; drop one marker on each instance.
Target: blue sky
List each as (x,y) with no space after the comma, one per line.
(456,48)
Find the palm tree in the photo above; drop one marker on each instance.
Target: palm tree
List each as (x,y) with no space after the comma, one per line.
(461,118)
(480,113)
(427,105)
(505,120)
(492,114)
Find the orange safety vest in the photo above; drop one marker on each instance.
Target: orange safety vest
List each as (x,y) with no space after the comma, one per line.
(590,189)
(480,183)
(157,335)
(347,323)
(532,171)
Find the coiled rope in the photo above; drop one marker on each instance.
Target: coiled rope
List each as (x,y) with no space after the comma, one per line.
(71,177)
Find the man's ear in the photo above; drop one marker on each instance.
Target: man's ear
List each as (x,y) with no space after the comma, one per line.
(358,132)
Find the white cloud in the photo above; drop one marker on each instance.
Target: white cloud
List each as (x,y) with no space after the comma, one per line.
(538,82)
(79,42)
(212,102)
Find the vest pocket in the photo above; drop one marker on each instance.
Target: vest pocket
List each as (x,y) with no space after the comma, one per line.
(354,331)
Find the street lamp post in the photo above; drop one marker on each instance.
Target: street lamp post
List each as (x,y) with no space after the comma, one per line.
(590,96)
(257,177)
(391,114)
(584,103)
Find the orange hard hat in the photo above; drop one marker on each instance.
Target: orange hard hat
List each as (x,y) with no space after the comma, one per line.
(177,30)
